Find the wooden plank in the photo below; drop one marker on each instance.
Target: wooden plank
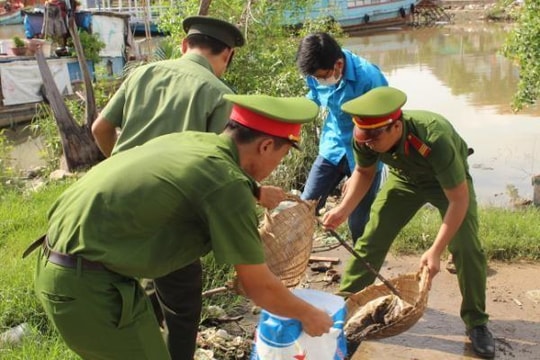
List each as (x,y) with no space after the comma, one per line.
(315,258)
(13,115)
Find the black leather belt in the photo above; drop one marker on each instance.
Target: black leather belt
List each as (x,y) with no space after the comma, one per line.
(66,260)
(70,261)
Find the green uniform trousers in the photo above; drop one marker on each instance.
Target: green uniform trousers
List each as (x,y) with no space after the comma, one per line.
(99,314)
(395,205)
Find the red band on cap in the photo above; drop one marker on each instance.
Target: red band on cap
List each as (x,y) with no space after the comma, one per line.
(375,122)
(265,124)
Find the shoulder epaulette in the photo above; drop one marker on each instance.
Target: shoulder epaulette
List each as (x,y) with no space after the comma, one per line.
(419,145)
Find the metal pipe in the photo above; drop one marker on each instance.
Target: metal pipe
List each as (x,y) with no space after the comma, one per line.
(365,263)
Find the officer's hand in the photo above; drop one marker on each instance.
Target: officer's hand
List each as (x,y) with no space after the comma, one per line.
(271,196)
(433,263)
(332,219)
(316,322)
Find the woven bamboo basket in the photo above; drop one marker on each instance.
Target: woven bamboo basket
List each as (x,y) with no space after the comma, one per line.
(414,289)
(287,238)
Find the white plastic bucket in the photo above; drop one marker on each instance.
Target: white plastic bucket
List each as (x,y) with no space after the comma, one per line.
(279,338)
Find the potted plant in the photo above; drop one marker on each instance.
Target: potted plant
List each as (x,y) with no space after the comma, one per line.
(91,44)
(19,46)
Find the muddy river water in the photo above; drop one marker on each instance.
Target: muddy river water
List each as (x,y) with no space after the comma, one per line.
(458,72)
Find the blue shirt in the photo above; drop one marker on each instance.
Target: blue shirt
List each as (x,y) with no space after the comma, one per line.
(336,134)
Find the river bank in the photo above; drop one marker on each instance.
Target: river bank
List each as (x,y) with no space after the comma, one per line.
(464,11)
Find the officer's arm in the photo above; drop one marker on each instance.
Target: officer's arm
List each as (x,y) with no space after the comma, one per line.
(458,203)
(268,292)
(104,133)
(357,187)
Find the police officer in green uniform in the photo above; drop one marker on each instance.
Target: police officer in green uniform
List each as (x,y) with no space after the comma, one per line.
(155,209)
(174,96)
(165,97)
(428,164)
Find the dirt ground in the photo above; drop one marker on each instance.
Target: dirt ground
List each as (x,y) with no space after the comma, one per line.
(513,302)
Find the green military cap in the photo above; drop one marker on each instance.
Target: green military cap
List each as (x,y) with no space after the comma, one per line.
(278,116)
(218,29)
(376,108)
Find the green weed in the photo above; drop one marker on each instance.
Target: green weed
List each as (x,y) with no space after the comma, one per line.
(23,219)
(506,234)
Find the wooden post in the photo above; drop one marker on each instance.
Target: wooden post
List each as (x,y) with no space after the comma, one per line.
(90,105)
(78,145)
(536,189)
(204,5)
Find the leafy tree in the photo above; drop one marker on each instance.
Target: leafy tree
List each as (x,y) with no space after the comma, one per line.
(91,44)
(522,46)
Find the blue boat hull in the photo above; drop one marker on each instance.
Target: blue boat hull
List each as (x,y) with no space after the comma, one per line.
(138,29)
(13,18)
(358,15)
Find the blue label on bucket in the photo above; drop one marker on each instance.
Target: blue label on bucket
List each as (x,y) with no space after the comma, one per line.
(279,338)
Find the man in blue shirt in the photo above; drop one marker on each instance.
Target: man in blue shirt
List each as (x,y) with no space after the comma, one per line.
(335,76)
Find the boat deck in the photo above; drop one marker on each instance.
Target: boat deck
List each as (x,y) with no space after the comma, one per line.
(143,14)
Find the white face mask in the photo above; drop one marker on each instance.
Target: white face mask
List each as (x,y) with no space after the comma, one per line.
(329,81)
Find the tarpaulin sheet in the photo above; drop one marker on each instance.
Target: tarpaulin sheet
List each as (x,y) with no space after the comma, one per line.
(21,81)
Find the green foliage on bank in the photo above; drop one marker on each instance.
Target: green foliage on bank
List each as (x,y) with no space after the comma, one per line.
(22,219)
(91,45)
(522,47)
(506,234)
(6,168)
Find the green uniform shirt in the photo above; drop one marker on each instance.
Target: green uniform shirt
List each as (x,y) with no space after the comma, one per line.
(446,163)
(161,206)
(165,97)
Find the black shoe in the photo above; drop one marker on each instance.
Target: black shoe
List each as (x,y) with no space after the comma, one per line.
(482,341)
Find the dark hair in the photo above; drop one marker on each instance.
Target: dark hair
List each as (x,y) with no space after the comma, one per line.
(206,42)
(317,51)
(244,135)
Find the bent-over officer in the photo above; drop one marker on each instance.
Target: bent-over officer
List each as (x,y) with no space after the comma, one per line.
(428,163)
(173,96)
(157,208)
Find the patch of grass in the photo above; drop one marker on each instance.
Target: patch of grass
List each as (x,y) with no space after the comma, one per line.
(214,276)
(23,219)
(8,173)
(506,234)
(511,234)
